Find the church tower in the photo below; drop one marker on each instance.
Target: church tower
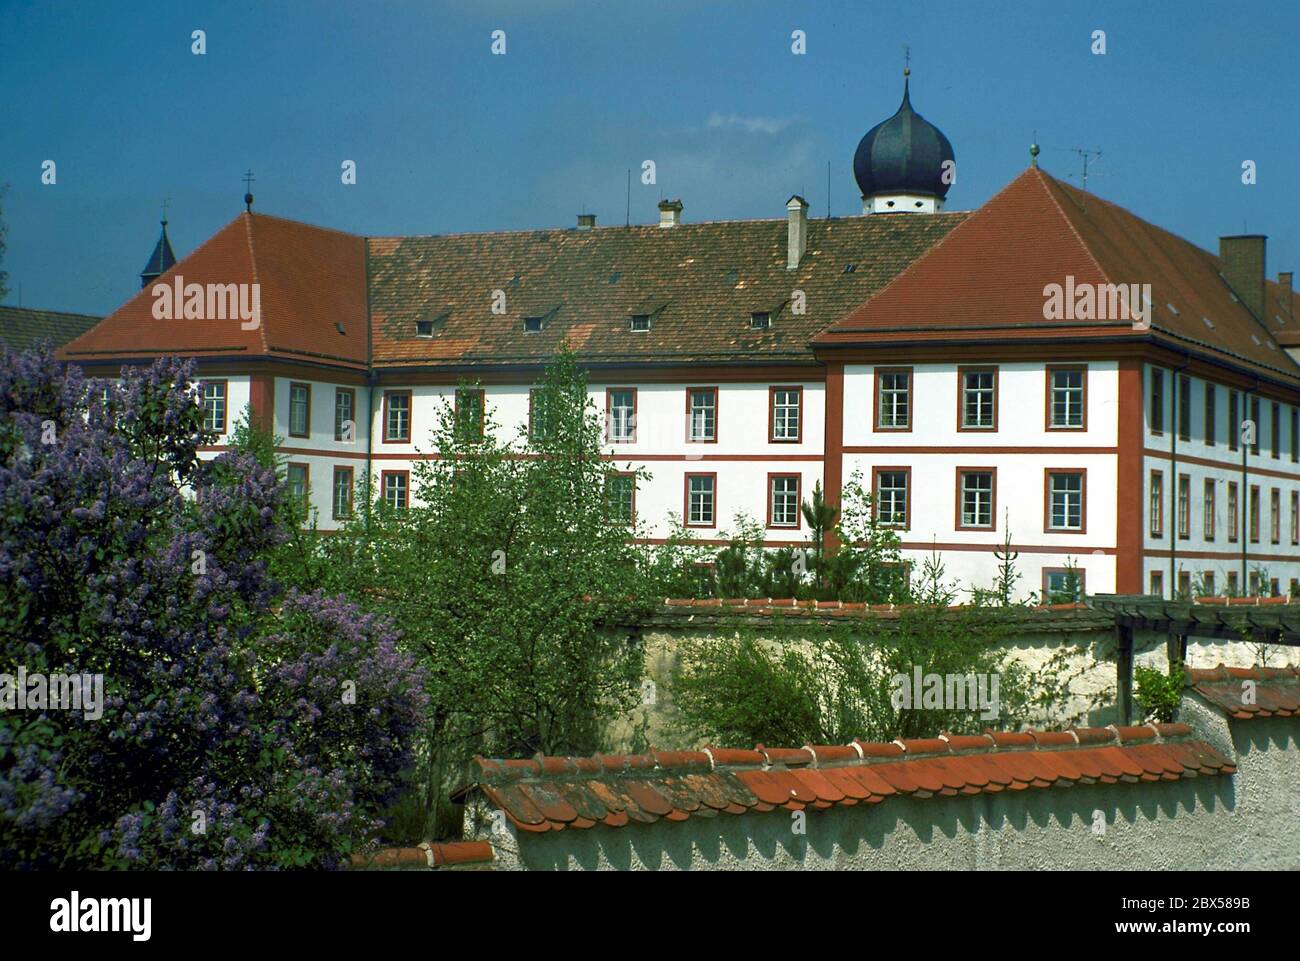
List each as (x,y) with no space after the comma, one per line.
(160,260)
(904,165)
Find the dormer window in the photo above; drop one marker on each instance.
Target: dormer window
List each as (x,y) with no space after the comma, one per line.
(532,325)
(760,320)
(640,322)
(431,326)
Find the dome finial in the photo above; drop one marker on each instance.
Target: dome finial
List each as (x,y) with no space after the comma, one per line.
(1033,151)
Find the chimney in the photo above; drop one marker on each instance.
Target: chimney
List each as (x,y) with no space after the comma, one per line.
(1241,262)
(670,213)
(798,231)
(586,221)
(1284,280)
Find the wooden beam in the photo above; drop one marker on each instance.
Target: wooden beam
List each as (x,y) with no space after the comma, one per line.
(1124,673)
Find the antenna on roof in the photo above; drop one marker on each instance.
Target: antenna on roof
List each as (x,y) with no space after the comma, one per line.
(628,221)
(248,188)
(828,190)
(1086,155)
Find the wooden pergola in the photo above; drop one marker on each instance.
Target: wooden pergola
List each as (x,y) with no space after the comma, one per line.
(1265,620)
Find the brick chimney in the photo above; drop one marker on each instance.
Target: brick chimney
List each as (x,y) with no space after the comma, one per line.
(586,221)
(798,231)
(670,213)
(1241,261)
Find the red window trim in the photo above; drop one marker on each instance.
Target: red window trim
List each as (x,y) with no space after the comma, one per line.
(1047,500)
(907,501)
(1047,409)
(962,371)
(875,403)
(351,391)
(798,501)
(307,386)
(609,421)
(715,392)
(225,406)
(686,499)
(306,478)
(410,418)
(1083,580)
(993,507)
(352,490)
(771,414)
(383,485)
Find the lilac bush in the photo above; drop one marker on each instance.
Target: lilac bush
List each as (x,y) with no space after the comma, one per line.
(240,728)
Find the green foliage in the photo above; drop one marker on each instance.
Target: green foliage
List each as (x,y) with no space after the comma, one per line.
(513,581)
(839,685)
(1159,694)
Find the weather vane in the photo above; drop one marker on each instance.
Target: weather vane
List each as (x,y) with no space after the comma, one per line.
(166,202)
(907,59)
(248,190)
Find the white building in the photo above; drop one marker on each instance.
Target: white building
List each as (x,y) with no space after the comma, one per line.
(982,371)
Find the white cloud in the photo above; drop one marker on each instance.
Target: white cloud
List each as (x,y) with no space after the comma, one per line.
(750,124)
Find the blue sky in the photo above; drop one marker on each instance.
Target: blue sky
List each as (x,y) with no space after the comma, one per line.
(449,138)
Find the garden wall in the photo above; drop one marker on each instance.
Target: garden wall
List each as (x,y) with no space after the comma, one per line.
(1037,635)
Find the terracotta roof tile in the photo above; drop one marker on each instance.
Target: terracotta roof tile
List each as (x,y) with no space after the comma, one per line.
(436,855)
(698,282)
(985,280)
(612,791)
(313,299)
(1275,690)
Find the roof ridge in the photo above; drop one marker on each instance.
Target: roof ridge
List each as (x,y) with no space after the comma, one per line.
(1047,181)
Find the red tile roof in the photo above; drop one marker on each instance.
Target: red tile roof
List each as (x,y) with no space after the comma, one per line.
(698,282)
(312,282)
(1276,690)
(427,855)
(985,280)
(554,794)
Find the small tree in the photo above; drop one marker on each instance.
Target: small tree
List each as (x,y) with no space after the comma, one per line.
(820,518)
(516,581)
(868,565)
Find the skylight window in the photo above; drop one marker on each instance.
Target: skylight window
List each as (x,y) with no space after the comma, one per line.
(760,320)
(532,325)
(424,328)
(1172,309)
(640,322)
(1208,323)
(1255,339)
(850,268)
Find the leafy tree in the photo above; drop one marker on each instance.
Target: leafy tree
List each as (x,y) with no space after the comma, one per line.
(234,733)
(514,579)
(868,565)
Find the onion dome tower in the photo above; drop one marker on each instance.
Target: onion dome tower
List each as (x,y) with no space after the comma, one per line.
(904,165)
